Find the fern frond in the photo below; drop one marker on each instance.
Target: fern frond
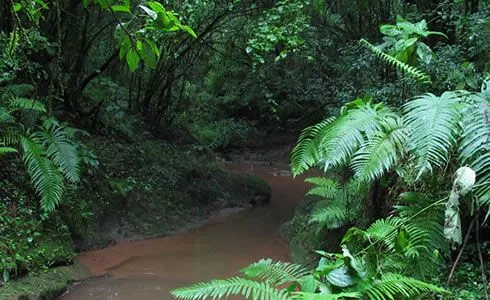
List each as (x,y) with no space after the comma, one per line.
(331,217)
(315,296)
(325,187)
(411,71)
(15,90)
(434,123)
(392,285)
(5,115)
(475,145)
(304,154)
(334,141)
(381,152)
(384,231)
(27,104)
(218,289)
(274,272)
(10,136)
(61,150)
(4,150)
(46,178)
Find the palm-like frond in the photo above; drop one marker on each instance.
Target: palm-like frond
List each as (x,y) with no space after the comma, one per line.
(46,178)
(274,272)
(218,289)
(325,187)
(475,145)
(391,286)
(313,296)
(15,90)
(384,231)
(332,216)
(413,72)
(5,150)
(381,152)
(434,123)
(27,104)
(61,150)
(334,141)
(305,153)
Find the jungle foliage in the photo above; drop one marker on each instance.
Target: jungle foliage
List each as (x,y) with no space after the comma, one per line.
(411,151)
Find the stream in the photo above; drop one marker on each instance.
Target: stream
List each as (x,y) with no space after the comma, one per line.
(224,244)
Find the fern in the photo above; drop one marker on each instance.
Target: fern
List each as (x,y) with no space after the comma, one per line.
(61,150)
(25,104)
(381,152)
(5,150)
(434,123)
(313,296)
(392,286)
(332,216)
(45,176)
(475,145)
(334,141)
(305,153)
(218,289)
(274,272)
(325,188)
(15,90)
(411,71)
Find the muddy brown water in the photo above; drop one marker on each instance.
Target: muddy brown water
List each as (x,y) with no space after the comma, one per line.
(150,269)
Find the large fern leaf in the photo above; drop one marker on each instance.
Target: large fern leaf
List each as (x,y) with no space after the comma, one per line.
(434,124)
(331,216)
(15,90)
(334,141)
(475,145)
(223,288)
(25,104)
(381,152)
(305,153)
(315,296)
(61,150)
(46,178)
(274,272)
(325,187)
(392,286)
(4,150)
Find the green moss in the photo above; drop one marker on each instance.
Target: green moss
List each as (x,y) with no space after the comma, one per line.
(46,284)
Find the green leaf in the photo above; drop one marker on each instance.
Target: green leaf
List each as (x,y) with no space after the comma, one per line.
(308,284)
(16,7)
(156,6)
(133,59)
(340,277)
(189,30)
(313,296)
(149,12)
(4,150)
(121,8)
(149,56)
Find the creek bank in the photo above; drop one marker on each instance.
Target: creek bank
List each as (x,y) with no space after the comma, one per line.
(131,190)
(47,284)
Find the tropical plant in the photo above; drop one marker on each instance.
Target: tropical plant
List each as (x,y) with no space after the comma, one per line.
(403,41)
(401,66)
(48,151)
(337,205)
(372,138)
(338,276)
